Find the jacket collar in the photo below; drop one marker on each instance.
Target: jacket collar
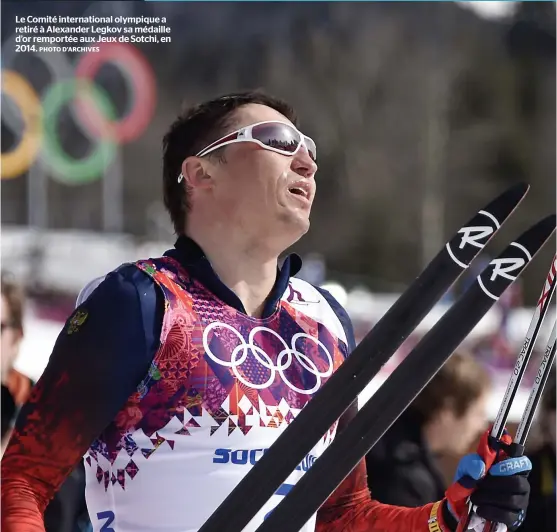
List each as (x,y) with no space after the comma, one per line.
(190,255)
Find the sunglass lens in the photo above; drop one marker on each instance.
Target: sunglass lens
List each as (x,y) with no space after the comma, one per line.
(312,149)
(279,136)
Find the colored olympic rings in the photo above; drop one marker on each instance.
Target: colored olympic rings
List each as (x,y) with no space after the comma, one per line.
(14,163)
(70,170)
(140,80)
(91,108)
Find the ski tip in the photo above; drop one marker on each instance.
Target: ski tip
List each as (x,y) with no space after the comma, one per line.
(549,223)
(503,205)
(472,237)
(520,189)
(503,271)
(535,237)
(516,193)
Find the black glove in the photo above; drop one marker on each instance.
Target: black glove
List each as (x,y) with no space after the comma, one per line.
(502,499)
(501,496)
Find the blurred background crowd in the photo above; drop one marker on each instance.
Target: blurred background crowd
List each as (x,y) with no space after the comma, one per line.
(423,112)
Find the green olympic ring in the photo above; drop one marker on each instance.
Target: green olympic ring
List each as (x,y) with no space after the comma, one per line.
(70,170)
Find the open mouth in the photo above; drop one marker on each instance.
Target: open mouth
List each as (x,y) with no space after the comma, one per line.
(299,191)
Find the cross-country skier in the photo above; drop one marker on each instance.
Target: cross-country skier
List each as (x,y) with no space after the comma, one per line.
(173,376)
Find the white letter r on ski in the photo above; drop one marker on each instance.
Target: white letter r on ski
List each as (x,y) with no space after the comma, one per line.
(471,235)
(503,267)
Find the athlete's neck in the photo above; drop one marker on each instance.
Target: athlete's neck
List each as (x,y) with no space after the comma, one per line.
(249,270)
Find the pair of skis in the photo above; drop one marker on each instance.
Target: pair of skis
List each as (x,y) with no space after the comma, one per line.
(402,386)
(542,375)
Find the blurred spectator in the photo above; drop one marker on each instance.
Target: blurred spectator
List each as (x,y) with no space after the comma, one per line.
(541,510)
(403,467)
(67,511)
(17,384)
(16,387)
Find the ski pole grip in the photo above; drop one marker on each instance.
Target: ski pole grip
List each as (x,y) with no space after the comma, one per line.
(514,450)
(511,449)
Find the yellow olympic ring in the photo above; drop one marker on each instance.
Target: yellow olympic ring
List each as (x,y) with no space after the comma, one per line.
(17,161)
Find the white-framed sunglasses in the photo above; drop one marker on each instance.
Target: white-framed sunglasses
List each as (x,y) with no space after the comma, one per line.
(272,135)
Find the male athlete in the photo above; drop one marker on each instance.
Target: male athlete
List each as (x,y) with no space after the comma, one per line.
(175,374)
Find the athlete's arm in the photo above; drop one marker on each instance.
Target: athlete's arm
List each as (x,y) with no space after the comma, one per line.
(351,509)
(96,364)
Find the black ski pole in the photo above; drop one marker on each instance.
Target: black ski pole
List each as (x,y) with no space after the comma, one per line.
(532,405)
(517,447)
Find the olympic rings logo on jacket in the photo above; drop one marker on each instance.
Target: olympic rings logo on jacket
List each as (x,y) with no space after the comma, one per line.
(259,363)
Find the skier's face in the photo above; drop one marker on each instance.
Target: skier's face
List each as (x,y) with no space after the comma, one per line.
(262,194)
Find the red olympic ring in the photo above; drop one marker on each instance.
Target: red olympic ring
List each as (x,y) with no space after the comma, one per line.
(140,79)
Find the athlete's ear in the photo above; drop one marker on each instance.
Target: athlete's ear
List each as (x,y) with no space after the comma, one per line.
(197,172)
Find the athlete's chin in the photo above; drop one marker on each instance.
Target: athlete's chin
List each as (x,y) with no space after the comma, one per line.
(298,218)
(302,230)
(298,227)
(294,224)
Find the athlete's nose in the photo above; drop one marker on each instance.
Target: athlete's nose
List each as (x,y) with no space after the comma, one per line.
(303,164)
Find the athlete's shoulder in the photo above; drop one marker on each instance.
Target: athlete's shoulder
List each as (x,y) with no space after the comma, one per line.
(123,281)
(319,304)
(342,315)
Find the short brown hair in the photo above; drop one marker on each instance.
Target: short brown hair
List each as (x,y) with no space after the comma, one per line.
(194,129)
(461,381)
(13,293)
